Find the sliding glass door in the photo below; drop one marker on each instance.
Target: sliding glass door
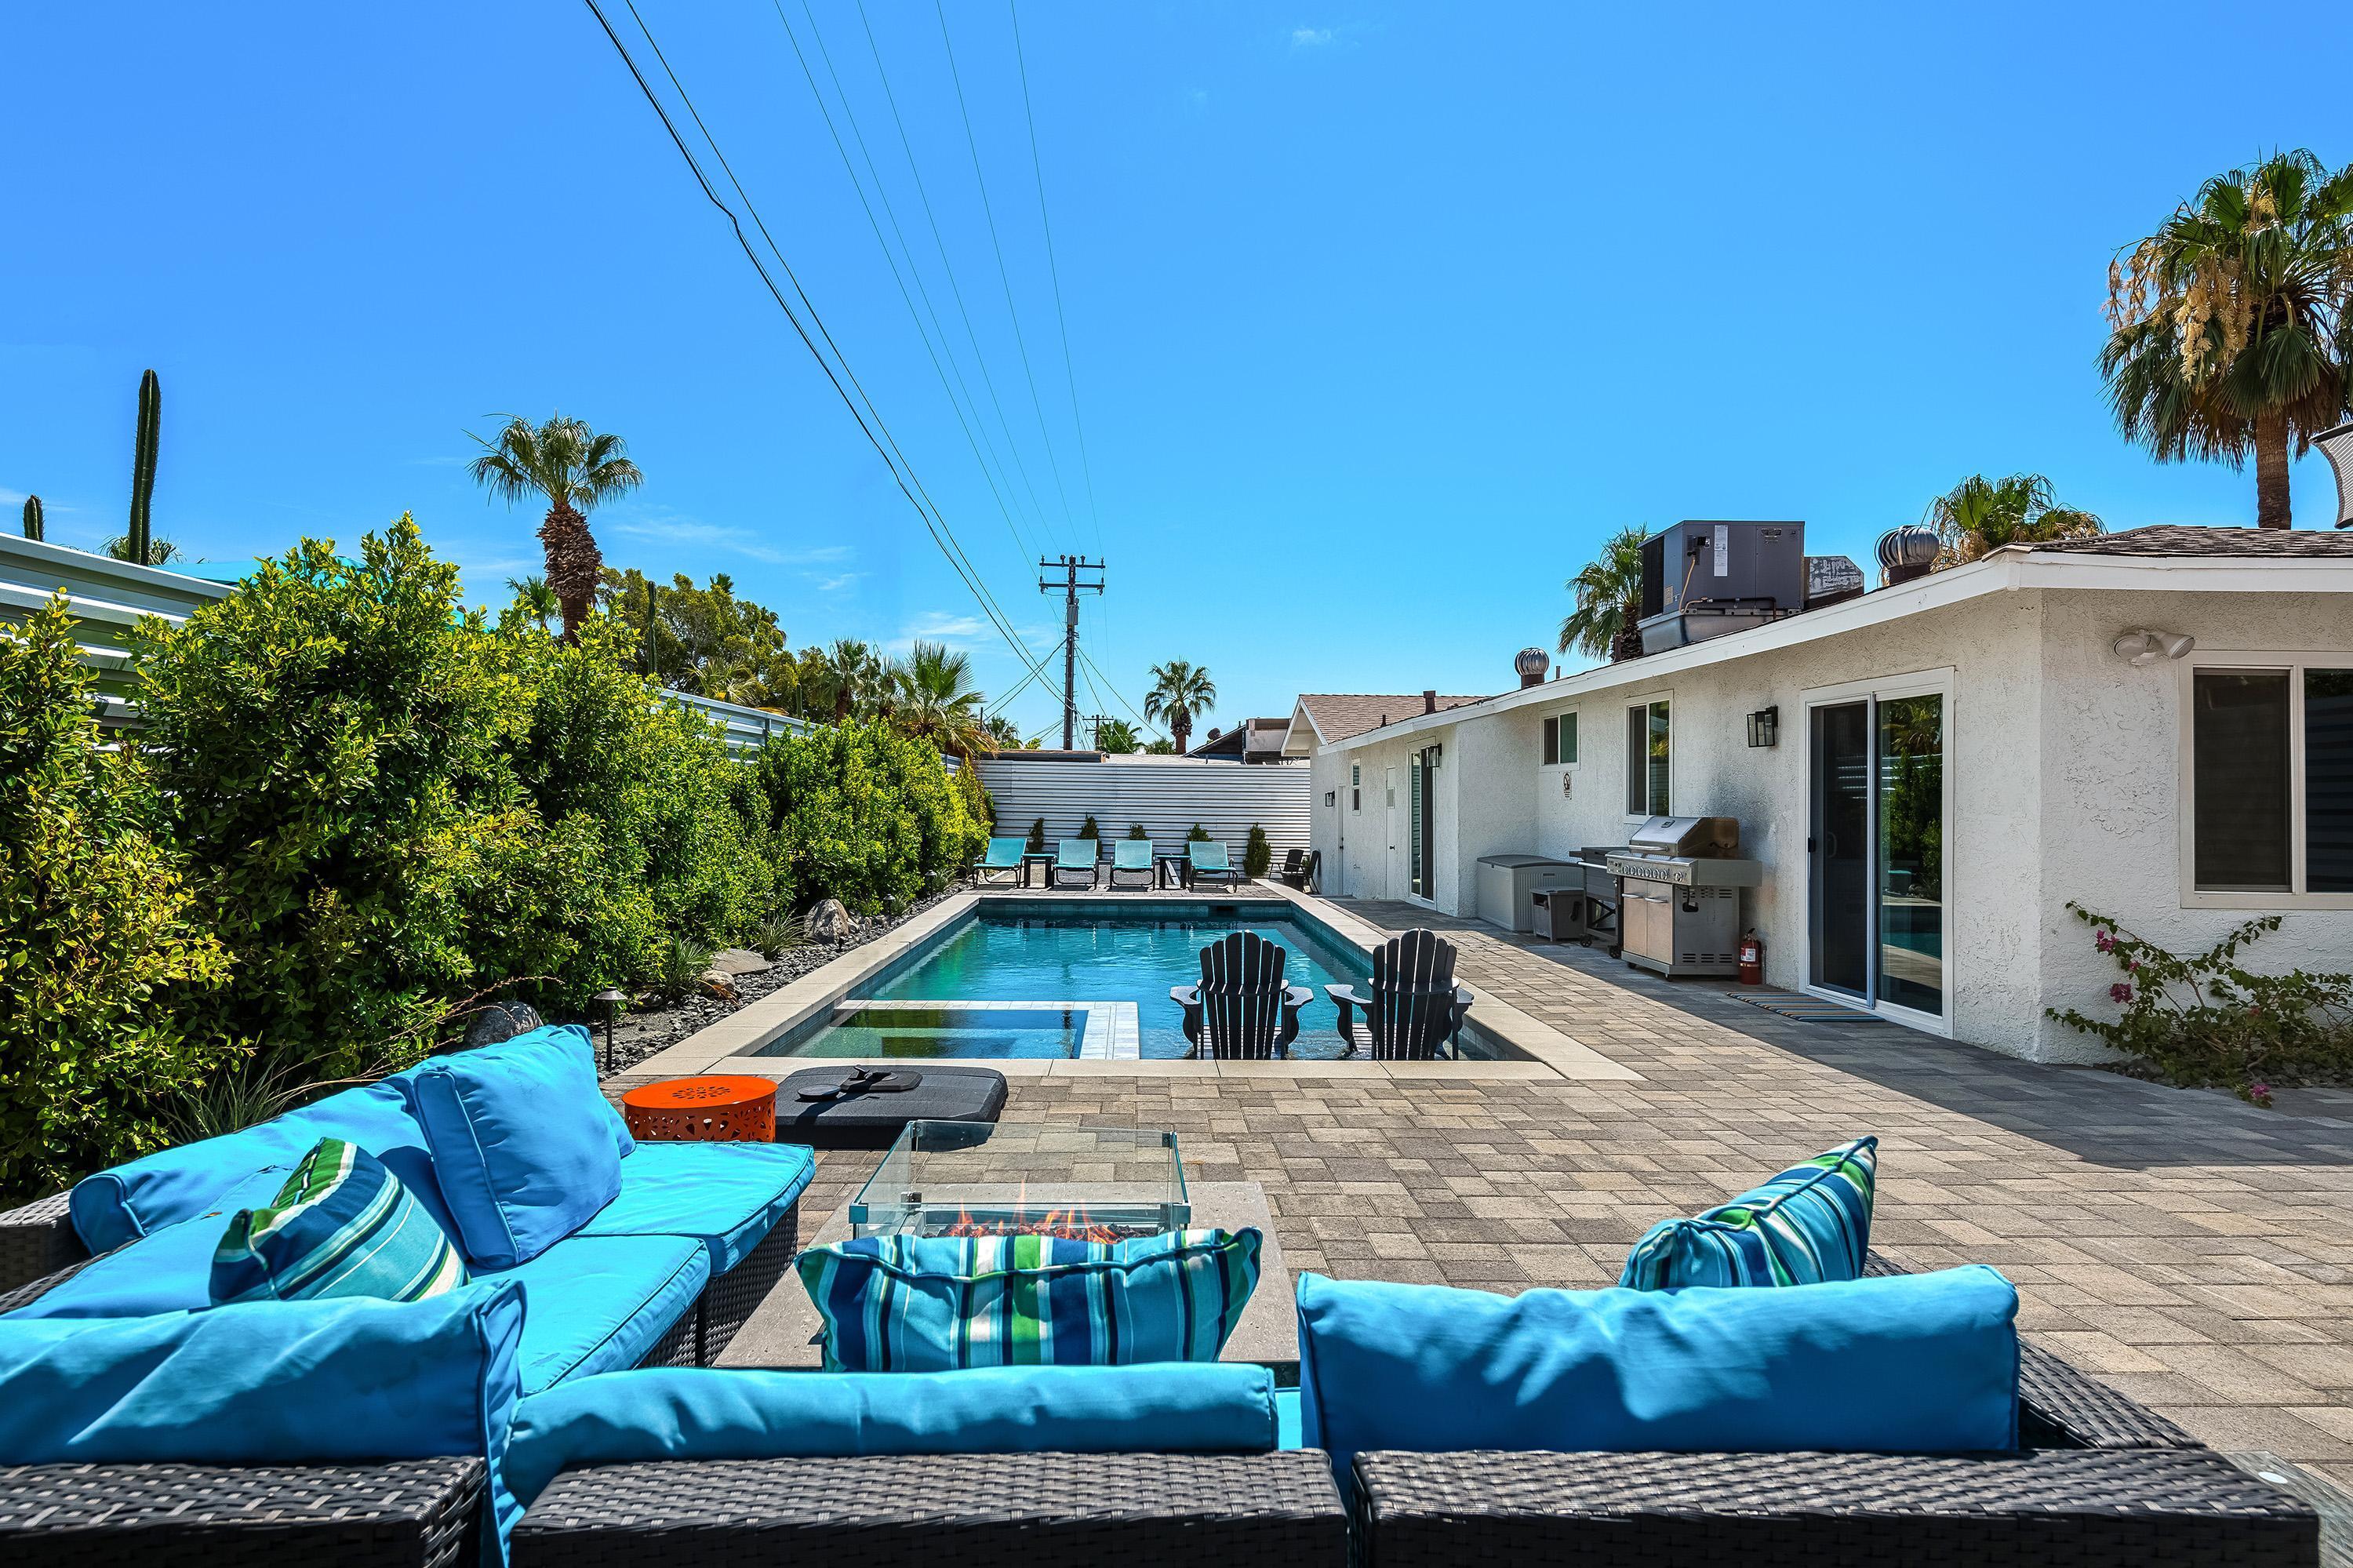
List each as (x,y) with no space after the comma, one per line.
(1877,807)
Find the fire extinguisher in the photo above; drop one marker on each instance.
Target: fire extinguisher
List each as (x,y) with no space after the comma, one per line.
(1752,959)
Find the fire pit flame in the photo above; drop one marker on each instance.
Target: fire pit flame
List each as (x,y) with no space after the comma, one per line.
(1063,1225)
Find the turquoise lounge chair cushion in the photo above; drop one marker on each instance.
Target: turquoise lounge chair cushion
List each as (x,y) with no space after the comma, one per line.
(599,1303)
(168,1270)
(378,1380)
(1003,855)
(522,1142)
(1133,854)
(1809,1223)
(1207,857)
(1076,854)
(144,1195)
(707,1415)
(1921,1363)
(728,1196)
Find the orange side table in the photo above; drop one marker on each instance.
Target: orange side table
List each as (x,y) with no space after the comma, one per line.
(718,1109)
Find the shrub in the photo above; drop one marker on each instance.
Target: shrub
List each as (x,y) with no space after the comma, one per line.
(2204,1020)
(1257,855)
(1135,830)
(1199,836)
(1087,829)
(98,935)
(863,814)
(1037,837)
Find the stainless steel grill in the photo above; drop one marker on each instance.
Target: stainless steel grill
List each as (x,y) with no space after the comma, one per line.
(1680,878)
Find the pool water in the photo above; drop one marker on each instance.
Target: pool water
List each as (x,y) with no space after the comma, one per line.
(1082,955)
(938,1031)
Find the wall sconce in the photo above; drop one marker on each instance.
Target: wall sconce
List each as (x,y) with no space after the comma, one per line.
(1765,727)
(2143,648)
(1331,797)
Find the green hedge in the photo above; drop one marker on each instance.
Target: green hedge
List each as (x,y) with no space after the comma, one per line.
(862,813)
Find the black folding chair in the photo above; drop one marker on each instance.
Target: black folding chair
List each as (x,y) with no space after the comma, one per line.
(1415,1004)
(1241,1009)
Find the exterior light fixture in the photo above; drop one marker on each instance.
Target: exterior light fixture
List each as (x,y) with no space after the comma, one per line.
(1765,727)
(610,1001)
(2142,648)
(1331,797)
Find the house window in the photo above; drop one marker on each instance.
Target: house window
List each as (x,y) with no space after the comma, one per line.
(1561,739)
(1646,759)
(1356,789)
(2271,763)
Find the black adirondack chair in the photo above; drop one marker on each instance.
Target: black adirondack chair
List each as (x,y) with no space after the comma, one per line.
(1241,1009)
(1300,869)
(1415,1004)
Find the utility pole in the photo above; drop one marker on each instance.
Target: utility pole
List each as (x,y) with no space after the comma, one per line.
(1072,583)
(1095,723)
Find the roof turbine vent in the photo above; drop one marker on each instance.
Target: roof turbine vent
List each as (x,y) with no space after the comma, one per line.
(1532,663)
(1907,553)
(2337,445)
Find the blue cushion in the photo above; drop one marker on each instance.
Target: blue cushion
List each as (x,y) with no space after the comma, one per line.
(146,1194)
(378,1380)
(1908,1364)
(599,1303)
(1809,1223)
(134,1199)
(688,1414)
(341,1226)
(169,1270)
(727,1195)
(522,1142)
(913,1303)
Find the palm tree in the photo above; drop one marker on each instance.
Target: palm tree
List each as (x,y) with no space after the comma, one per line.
(2230,328)
(1117,737)
(937,700)
(1004,734)
(854,675)
(1180,693)
(535,598)
(575,469)
(1980,516)
(1608,599)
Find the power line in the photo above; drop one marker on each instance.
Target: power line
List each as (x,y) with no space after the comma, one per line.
(1071,587)
(1054,272)
(955,290)
(902,474)
(988,211)
(975,441)
(1115,692)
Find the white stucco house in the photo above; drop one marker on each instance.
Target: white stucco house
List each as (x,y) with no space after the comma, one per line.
(2179,794)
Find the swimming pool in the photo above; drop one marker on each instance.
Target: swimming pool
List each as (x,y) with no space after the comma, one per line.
(1069,980)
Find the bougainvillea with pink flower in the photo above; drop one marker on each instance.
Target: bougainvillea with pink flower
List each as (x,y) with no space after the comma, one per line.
(2205,1019)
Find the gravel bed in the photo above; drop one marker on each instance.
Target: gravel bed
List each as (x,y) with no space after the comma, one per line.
(637,1035)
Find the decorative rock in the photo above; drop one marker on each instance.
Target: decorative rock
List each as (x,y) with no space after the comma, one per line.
(829,922)
(499,1021)
(739,962)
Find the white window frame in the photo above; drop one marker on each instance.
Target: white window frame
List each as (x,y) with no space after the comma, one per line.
(1938,683)
(2292,665)
(1625,773)
(1568,715)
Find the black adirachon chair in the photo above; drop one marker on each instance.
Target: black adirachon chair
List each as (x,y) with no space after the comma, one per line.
(1241,1009)
(1415,1004)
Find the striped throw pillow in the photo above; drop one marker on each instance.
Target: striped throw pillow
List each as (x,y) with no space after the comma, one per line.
(940,1303)
(1809,1223)
(341,1226)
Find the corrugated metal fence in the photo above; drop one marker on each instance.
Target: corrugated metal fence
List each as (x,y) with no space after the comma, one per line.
(1167,797)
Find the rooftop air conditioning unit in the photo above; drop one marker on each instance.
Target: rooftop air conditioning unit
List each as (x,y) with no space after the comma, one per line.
(1704,580)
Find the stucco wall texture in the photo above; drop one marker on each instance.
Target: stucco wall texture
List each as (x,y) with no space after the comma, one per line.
(2066,783)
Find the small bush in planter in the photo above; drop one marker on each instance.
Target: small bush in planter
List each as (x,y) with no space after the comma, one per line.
(1037,836)
(2204,1019)
(1199,836)
(1087,829)
(1135,830)
(1257,855)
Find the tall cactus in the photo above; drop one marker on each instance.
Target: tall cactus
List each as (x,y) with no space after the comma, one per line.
(143,467)
(32,517)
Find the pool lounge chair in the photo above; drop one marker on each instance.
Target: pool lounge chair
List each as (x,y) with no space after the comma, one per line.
(1241,1009)
(1078,857)
(1415,1004)
(1209,862)
(1300,870)
(1132,857)
(1004,857)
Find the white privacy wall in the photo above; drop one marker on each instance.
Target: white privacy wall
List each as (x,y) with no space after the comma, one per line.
(1167,797)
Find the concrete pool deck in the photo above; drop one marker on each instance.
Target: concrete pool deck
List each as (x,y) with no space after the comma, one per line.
(733,1043)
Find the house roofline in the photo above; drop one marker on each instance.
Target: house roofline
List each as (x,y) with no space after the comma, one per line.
(2005,571)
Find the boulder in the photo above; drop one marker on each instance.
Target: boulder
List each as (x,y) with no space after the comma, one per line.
(499,1021)
(739,962)
(829,922)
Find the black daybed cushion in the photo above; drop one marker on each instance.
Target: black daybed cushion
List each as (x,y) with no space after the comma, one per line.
(872,1120)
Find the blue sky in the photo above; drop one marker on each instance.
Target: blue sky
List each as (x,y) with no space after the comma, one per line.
(1378,318)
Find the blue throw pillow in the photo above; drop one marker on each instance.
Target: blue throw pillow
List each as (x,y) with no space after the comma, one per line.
(1809,1223)
(902,1304)
(522,1142)
(267,1382)
(688,1413)
(340,1225)
(1915,1363)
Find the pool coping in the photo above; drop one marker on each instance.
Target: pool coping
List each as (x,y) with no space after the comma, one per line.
(731,1044)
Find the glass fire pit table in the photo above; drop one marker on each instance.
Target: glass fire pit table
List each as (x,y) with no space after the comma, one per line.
(1085,1183)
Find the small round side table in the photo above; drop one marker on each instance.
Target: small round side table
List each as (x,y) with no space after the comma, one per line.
(719,1108)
